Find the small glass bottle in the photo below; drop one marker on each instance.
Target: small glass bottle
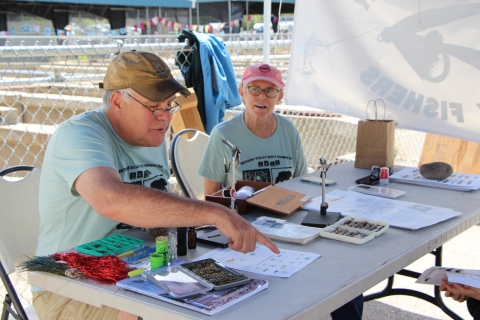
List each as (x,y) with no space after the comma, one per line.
(192,238)
(172,246)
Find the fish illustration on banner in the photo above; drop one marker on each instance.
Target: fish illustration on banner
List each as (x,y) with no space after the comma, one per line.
(421,58)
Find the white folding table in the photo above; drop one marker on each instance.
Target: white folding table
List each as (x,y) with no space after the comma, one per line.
(343,272)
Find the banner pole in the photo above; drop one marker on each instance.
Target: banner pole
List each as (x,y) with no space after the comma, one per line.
(267,12)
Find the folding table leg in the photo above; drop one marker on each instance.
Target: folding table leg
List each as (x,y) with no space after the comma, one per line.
(435,300)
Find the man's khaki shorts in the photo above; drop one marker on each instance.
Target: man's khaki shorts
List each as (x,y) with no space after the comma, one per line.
(50,306)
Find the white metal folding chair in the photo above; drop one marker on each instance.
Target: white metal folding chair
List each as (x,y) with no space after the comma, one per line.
(19,231)
(185,156)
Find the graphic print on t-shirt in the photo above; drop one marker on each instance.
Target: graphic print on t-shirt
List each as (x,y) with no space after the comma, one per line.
(265,175)
(281,174)
(157,182)
(268,169)
(151,177)
(261,175)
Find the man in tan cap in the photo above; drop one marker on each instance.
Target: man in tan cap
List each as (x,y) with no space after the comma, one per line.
(110,165)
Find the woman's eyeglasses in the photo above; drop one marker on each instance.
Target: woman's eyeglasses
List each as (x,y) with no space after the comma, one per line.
(269,92)
(158,112)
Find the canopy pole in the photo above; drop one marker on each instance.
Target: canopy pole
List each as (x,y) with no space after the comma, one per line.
(267,12)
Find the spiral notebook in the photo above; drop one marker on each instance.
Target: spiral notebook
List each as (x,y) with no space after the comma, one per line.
(281,230)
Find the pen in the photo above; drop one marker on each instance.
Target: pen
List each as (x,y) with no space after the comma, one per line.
(136,257)
(192,302)
(136,254)
(215,235)
(129,252)
(263,189)
(210,226)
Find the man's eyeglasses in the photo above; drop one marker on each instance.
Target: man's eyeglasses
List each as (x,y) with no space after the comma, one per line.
(160,111)
(269,92)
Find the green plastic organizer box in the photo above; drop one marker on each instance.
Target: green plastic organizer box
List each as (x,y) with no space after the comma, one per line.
(112,245)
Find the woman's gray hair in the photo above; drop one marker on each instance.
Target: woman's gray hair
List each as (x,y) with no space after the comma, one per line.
(108,93)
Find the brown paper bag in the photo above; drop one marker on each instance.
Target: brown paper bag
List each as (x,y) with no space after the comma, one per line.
(375,141)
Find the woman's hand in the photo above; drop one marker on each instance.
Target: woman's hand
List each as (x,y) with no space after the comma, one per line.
(459,292)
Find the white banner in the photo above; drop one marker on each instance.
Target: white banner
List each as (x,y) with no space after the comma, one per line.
(422,58)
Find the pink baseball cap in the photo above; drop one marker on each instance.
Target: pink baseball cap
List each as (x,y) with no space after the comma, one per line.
(263,72)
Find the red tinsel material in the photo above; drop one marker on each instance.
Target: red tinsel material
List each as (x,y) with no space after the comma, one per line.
(106,270)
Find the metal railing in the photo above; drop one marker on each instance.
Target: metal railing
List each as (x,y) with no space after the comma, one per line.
(43,85)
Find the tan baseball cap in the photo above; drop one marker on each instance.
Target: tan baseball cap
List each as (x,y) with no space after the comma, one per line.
(145,73)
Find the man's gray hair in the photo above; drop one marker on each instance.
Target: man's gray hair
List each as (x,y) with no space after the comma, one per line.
(108,93)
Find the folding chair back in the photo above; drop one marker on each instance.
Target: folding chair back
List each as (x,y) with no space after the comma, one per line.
(19,230)
(185,156)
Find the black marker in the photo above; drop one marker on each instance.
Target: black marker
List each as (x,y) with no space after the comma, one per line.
(181,241)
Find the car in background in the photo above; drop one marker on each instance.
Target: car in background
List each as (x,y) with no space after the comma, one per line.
(286,24)
(258,27)
(96,30)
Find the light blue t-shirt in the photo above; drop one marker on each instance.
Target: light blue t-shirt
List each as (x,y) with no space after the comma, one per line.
(78,144)
(273,159)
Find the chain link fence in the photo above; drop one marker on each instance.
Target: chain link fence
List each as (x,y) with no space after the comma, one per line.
(43,84)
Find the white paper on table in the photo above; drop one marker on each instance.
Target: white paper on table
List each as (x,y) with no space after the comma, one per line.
(400,214)
(434,275)
(457,181)
(263,260)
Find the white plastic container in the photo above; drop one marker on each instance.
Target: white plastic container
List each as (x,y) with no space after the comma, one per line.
(327,233)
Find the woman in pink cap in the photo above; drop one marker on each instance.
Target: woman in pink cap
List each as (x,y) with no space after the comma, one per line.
(271,148)
(270,145)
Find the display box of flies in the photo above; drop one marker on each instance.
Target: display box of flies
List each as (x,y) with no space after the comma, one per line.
(346,234)
(377,227)
(354,230)
(212,273)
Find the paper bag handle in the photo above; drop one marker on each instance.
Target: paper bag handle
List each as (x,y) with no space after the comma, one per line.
(375,108)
